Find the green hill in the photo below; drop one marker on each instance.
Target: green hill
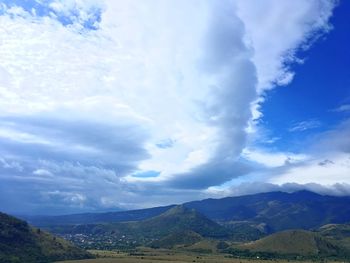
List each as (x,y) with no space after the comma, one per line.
(297,242)
(182,238)
(338,233)
(179,219)
(243,231)
(21,243)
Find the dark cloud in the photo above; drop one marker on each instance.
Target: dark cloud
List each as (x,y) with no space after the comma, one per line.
(58,188)
(228,59)
(53,164)
(167,143)
(325,162)
(211,174)
(112,145)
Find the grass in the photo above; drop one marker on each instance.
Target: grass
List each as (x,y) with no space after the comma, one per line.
(147,255)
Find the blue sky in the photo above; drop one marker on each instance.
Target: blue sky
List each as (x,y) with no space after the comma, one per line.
(319,87)
(110,105)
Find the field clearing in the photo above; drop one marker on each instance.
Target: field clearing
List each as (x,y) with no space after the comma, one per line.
(169,256)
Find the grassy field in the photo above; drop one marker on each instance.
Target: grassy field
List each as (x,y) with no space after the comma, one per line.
(146,255)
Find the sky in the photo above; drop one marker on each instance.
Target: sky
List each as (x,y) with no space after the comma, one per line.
(113,104)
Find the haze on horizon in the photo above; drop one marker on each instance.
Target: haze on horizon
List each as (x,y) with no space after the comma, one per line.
(128,104)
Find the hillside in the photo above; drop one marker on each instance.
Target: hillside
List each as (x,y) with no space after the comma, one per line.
(130,234)
(21,243)
(296,242)
(181,238)
(338,233)
(276,211)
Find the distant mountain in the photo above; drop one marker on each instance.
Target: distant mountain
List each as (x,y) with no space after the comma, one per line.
(259,214)
(96,218)
(278,210)
(21,243)
(298,243)
(166,226)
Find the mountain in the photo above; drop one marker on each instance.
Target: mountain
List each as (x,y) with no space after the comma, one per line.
(297,242)
(275,211)
(181,218)
(278,210)
(167,225)
(21,243)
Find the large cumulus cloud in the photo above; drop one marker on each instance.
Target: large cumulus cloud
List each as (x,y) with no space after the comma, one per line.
(90,91)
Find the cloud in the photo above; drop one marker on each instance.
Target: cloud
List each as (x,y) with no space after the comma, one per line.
(270,158)
(80,15)
(42,172)
(342,108)
(278,30)
(305,125)
(166,143)
(106,141)
(328,160)
(93,92)
(214,173)
(334,140)
(336,170)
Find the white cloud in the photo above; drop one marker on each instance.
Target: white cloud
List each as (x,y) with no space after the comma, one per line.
(305,125)
(342,108)
(42,172)
(272,159)
(336,170)
(277,30)
(328,162)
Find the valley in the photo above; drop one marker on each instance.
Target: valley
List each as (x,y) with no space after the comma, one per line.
(235,229)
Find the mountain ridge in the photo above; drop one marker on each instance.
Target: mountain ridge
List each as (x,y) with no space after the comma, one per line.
(276,210)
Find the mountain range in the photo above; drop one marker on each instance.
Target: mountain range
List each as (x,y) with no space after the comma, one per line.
(257,214)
